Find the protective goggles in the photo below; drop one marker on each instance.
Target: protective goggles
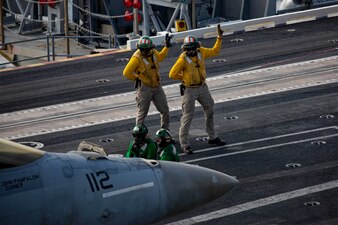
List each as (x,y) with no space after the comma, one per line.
(138,135)
(145,50)
(191,51)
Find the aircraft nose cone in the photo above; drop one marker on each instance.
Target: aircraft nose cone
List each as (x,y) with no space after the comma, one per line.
(186,186)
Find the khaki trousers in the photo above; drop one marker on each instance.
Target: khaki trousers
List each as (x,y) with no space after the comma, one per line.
(203,96)
(146,95)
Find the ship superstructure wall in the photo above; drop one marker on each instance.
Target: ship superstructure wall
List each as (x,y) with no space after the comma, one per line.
(249,25)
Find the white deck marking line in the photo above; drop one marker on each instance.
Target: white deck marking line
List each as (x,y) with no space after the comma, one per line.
(260,148)
(128,189)
(251,70)
(266,139)
(258,203)
(121,118)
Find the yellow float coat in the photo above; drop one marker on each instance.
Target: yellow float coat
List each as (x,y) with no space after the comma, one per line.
(145,68)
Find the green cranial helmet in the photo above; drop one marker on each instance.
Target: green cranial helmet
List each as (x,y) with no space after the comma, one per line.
(140,130)
(163,133)
(163,138)
(190,42)
(145,43)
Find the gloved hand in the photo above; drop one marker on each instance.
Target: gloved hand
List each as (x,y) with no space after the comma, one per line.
(158,153)
(136,145)
(167,40)
(136,150)
(219,31)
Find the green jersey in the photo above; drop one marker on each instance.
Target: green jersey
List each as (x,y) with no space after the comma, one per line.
(169,153)
(146,151)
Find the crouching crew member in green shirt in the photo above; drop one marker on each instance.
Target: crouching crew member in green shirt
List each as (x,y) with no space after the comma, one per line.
(142,145)
(166,150)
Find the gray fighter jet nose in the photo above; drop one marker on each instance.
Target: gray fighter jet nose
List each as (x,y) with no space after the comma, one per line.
(188,186)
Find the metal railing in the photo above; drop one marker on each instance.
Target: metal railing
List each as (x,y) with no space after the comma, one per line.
(50,43)
(50,39)
(237,26)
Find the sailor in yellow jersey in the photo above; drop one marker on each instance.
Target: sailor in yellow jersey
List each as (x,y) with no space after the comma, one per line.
(190,69)
(143,68)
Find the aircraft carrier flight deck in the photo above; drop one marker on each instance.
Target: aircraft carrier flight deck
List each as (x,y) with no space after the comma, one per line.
(276,95)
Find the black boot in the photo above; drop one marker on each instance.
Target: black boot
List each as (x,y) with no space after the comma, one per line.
(187,149)
(217,141)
